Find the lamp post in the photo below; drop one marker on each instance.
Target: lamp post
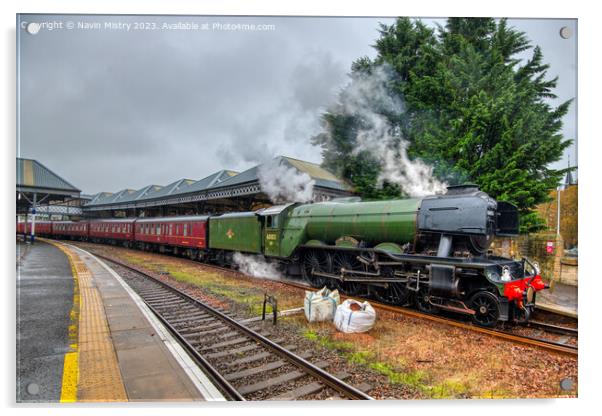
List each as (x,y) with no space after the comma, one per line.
(558,211)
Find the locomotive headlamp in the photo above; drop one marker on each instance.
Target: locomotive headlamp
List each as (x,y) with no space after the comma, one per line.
(506,274)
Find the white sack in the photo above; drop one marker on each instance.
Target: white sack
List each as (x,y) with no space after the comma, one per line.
(321,305)
(347,320)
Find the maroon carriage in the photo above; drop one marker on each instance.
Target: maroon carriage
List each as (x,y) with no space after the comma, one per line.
(113,230)
(176,234)
(77,230)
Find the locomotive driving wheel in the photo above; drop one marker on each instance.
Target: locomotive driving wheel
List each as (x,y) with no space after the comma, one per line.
(394,293)
(423,301)
(486,307)
(343,262)
(317,261)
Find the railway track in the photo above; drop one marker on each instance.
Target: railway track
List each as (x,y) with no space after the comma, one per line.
(562,346)
(556,329)
(241,360)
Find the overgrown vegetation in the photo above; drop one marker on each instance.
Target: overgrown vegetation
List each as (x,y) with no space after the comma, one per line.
(399,374)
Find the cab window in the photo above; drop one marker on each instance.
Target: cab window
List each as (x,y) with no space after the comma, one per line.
(272,221)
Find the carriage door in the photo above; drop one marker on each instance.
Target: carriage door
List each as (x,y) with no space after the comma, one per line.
(271,241)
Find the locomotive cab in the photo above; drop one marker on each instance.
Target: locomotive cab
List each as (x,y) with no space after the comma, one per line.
(273,220)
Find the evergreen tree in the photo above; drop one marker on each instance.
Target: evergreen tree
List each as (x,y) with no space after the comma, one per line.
(472,110)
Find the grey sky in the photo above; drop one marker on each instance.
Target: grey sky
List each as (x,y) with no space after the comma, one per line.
(112,108)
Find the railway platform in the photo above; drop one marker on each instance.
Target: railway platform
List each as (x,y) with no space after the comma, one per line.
(560,299)
(84,336)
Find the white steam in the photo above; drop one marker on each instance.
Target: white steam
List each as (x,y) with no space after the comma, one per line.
(282,183)
(379,140)
(256,266)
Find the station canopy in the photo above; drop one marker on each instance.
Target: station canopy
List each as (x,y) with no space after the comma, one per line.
(38,184)
(223,189)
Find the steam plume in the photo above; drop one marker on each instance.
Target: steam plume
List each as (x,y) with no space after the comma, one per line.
(376,136)
(256,266)
(285,184)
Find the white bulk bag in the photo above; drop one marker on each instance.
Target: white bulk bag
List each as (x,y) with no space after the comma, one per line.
(320,306)
(348,320)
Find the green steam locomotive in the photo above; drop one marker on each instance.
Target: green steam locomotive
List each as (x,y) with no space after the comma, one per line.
(431,251)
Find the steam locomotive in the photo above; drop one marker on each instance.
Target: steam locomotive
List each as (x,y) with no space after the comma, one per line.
(431,252)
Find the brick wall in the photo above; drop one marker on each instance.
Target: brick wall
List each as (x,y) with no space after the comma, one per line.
(553,266)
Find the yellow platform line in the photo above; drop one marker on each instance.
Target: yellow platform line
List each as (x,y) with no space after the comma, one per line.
(71,364)
(91,370)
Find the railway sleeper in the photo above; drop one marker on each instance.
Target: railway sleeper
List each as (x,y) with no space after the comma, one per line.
(260,356)
(272,382)
(315,387)
(284,378)
(162,305)
(299,392)
(171,312)
(255,370)
(203,330)
(169,304)
(236,351)
(180,321)
(235,341)
(182,313)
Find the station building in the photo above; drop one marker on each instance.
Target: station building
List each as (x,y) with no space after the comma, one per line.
(222,191)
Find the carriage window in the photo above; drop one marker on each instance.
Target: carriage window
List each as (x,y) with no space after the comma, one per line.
(158,229)
(185,229)
(170,229)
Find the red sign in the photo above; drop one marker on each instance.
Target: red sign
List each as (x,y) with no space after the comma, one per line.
(550,247)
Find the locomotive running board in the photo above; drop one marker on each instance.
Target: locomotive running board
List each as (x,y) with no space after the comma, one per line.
(463,262)
(465,309)
(358,279)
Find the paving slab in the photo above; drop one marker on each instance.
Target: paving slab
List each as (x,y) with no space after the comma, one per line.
(560,298)
(44,300)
